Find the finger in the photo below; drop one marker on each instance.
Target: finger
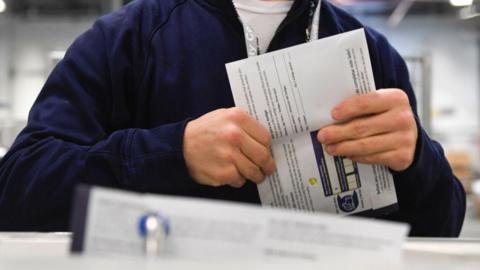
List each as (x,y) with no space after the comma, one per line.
(248,169)
(257,131)
(364,146)
(383,158)
(258,154)
(395,160)
(238,184)
(371,103)
(237,181)
(359,128)
(251,126)
(229,175)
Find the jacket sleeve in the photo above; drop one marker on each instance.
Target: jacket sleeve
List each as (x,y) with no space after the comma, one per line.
(430,197)
(72,137)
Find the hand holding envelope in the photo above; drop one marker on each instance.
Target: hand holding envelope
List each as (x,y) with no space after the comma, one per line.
(375,128)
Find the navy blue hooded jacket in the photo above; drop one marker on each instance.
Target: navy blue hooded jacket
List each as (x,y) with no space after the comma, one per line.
(113,113)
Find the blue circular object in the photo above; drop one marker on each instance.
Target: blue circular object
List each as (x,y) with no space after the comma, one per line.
(162,220)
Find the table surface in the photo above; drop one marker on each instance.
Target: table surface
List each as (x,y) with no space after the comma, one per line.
(51,251)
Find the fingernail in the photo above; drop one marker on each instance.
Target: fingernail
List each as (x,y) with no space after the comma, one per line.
(336,113)
(322,136)
(331,149)
(237,184)
(271,168)
(274,167)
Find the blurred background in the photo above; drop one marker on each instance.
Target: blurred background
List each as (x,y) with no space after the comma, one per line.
(440,39)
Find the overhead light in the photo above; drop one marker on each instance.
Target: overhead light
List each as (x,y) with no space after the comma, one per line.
(461,3)
(3,6)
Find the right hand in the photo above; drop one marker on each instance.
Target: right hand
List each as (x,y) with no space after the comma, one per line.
(227,147)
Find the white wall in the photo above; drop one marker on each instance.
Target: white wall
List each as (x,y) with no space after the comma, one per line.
(4,60)
(31,43)
(24,63)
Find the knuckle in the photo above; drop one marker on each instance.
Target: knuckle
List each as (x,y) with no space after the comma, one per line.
(226,155)
(398,121)
(370,159)
(232,134)
(362,104)
(270,168)
(268,138)
(226,174)
(264,136)
(363,145)
(263,156)
(404,140)
(257,174)
(360,159)
(400,97)
(407,140)
(236,114)
(337,149)
(405,117)
(394,93)
(359,129)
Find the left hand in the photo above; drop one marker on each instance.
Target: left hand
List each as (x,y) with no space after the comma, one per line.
(374,128)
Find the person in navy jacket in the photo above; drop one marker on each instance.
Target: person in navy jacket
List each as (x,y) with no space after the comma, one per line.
(142,102)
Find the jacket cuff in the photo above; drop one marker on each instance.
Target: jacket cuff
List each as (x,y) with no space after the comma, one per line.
(154,160)
(417,180)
